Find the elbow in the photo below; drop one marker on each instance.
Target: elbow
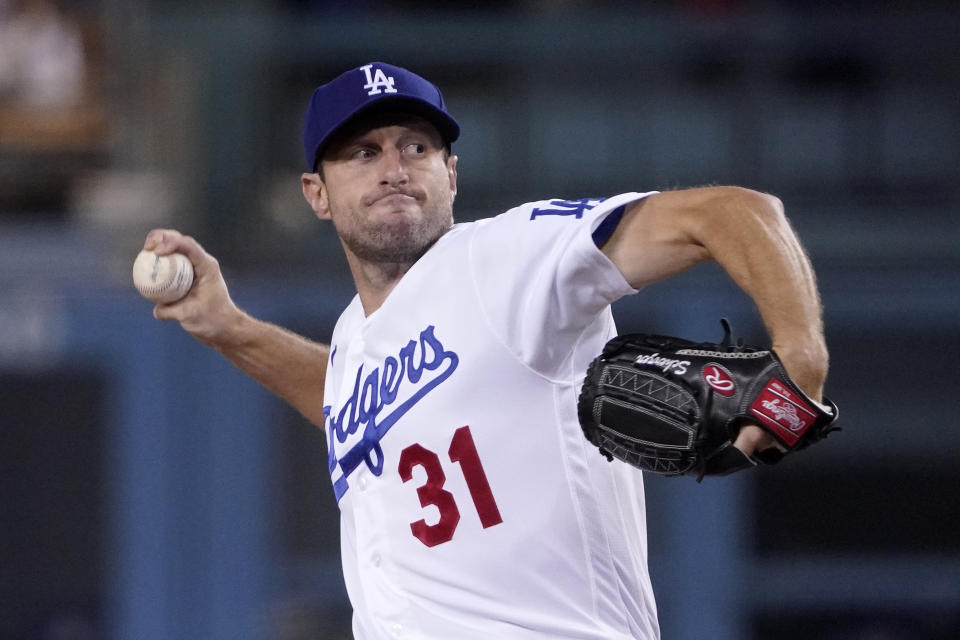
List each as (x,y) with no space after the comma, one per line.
(768,208)
(762,205)
(718,210)
(773,207)
(746,209)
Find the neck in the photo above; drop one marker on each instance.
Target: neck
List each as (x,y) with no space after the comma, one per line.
(375,281)
(376,278)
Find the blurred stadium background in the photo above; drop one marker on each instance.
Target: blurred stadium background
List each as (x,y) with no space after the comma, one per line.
(148,491)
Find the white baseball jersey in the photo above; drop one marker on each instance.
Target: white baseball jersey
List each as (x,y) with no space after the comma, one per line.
(471,504)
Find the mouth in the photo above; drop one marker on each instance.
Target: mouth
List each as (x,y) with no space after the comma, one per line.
(394,198)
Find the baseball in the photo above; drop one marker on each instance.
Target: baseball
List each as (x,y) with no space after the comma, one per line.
(162,279)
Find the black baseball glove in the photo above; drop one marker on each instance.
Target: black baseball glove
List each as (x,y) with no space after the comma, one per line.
(672,407)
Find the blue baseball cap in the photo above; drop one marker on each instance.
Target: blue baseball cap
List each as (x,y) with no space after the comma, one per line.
(373,87)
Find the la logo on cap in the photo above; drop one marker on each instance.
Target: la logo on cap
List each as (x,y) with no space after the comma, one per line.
(377,80)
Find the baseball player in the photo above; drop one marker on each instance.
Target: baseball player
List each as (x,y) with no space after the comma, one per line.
(471,504)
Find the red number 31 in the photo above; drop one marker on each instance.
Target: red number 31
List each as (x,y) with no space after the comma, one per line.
(464,451)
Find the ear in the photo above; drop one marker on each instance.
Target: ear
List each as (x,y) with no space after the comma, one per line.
(315,193)
(452,176)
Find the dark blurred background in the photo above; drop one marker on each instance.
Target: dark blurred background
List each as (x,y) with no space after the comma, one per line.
(148,491)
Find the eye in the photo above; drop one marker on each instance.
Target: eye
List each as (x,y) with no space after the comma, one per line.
(415,148)
(362,154)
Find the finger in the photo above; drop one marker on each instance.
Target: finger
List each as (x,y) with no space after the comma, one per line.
(157,240)
(752,439)
(166,241)
(178,310)
(166,311)
(185,245)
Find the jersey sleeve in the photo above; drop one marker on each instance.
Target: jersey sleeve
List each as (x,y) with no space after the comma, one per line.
(543,282)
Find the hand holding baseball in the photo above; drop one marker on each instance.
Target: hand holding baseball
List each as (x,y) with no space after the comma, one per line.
(162,279)
(204,309)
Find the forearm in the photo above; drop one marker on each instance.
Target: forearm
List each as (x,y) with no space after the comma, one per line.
(748,234)
(287,364)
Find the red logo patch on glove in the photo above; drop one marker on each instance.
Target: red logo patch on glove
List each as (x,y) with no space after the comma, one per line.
(719,379)
(786,415)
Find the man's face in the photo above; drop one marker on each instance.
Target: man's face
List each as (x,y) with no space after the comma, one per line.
(389,189)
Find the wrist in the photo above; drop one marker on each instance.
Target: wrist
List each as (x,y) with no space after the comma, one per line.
(233,330)
(806,362)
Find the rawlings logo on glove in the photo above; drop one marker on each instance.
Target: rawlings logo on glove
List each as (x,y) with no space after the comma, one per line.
(666,405)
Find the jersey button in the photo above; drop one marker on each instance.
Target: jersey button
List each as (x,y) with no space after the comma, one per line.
(375,560)
(397,629)
(363,482)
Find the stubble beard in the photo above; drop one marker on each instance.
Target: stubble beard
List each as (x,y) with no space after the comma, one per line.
(401,243)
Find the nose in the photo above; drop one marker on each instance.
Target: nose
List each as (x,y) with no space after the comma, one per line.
(394,168)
